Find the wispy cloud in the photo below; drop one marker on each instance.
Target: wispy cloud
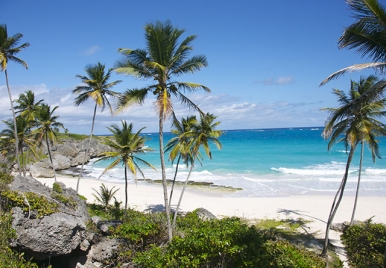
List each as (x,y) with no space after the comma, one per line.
(92,50)
(277,81)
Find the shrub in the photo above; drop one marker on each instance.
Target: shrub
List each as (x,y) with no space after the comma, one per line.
(365,244)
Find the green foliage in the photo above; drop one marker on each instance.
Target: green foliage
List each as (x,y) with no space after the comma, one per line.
(105,195)
(8,257)
(5,180)
(68,201)
(35,202)
(365,244)
(141,229)
(56,187)
(227,242)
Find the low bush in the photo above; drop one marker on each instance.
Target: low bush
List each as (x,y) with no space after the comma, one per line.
(365,244)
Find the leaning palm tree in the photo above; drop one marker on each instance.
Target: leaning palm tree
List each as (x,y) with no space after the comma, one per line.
(178,145)
(126,145)
(46,128)
(8,49)
(164,58)
(200,135)
(354,122)
(366,35)
(94,86)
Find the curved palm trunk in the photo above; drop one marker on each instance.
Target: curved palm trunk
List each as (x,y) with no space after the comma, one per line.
(87,149)
(49,153)
(164,182)
(181,195)
(359,181)
(174,181)
(334,207)
(14,124)
(125,217)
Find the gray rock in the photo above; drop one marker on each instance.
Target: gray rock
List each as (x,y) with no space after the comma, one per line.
(53,235)
(61,162)
(204,214)
(39,171)
(105,225)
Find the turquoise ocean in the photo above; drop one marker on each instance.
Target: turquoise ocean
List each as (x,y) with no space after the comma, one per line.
(269,162)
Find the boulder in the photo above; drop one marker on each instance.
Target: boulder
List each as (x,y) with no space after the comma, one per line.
(61,162)
(57,234)
(39,171)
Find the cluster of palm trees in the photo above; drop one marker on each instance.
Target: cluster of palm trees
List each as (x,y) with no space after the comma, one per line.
(357,120)
(35,123)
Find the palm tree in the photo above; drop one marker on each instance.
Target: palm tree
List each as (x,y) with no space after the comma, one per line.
(164,58)
(47,126)
(27,107)
(126,145)
(354,122)
(105,195)
(366,35)
(23,136)
(8,48)
(96,87)
(178,146)
(202,132)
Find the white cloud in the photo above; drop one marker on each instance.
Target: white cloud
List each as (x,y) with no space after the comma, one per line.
(92,50)
(232,112)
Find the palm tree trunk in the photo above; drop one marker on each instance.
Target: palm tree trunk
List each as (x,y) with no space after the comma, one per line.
(164,182)
(359,181)
(335,207)
(14,124)
(174,181)
(87,148)
(49,153)
(125,216)
(181,195)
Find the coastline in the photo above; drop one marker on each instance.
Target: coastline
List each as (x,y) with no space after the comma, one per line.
(313,208)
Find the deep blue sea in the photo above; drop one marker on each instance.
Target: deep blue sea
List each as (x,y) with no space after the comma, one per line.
(270,162)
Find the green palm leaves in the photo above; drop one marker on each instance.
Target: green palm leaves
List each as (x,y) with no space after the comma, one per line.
(367,35)
(355,121)
(164,58)
(94,86)
(126,145)
(105,195)
(8,49)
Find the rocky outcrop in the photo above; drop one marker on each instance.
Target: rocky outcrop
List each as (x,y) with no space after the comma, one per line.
(66,154)
(60,233)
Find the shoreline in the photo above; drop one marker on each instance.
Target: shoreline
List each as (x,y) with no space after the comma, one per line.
(315,207)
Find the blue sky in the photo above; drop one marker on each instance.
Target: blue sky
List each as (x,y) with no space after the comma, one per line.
(266,58)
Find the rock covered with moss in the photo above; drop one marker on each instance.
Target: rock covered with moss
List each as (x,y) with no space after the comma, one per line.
(53,223)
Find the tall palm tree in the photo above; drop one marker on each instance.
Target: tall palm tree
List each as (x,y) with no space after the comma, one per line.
(94,86)
(178,145)
(126,145)
(164,58)
(8,49)
(200,135)
(367,35)
(47,126)
(354,122)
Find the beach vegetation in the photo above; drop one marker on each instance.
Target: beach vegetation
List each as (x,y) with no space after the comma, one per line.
(365,244)
(94,86)
(164,58)
(200,133)
(47,126)
(126,145)
(105,195)
(9,47)
(354,122)
(366,35)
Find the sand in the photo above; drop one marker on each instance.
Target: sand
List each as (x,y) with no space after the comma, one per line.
(313,208)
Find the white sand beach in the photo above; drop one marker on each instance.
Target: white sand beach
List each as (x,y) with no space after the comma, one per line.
(315,208)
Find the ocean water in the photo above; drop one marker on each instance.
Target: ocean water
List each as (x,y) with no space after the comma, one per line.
(269,162)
